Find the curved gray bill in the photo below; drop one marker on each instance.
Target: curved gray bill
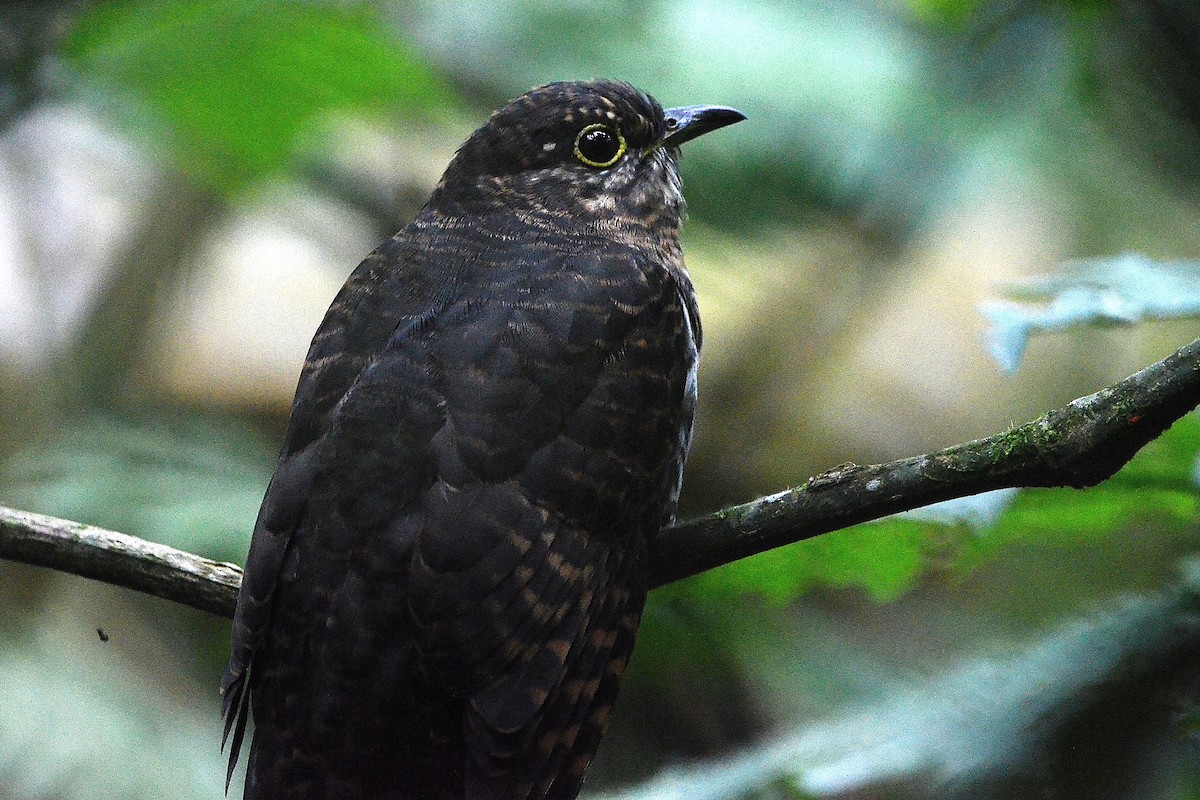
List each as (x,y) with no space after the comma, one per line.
(688,122)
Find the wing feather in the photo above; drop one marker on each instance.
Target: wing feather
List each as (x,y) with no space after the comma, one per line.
(353,329)
(456,528)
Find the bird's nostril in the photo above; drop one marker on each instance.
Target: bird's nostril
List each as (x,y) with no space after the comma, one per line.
(672,123)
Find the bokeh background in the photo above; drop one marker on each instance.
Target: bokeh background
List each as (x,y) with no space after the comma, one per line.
(184,185)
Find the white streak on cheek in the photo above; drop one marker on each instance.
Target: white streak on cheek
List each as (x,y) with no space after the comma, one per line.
(548,146)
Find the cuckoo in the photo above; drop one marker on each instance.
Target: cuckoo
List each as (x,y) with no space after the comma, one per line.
(449,565)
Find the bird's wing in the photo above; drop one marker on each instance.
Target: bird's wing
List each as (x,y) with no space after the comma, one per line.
(510,447)
(354,327)
(558,435)
(533,731)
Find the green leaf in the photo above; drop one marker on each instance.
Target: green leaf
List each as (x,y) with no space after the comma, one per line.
(884,559)
(948,12)
(232,85)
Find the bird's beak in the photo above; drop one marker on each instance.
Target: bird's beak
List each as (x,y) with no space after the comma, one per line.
(688,122)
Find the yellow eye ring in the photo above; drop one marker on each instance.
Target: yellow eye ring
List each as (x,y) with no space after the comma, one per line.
(599,145)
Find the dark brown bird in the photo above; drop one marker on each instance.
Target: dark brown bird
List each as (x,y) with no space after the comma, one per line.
(449,565)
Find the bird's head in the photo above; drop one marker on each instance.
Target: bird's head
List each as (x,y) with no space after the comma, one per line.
(591,151)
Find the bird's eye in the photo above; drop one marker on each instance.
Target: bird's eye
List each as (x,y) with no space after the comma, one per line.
(599,145)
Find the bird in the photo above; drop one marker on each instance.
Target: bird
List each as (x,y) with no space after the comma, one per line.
(449,565)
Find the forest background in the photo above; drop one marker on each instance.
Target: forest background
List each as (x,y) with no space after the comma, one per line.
(923,188)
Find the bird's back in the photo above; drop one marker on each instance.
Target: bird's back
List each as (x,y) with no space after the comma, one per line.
(465,568)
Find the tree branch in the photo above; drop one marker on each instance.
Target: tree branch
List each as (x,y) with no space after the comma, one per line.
(119,559)
(1078,445)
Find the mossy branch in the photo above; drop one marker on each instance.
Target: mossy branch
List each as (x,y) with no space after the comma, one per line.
(1077,445)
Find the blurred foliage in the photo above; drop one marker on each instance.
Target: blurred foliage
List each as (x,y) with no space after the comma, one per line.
(30,33)
(962,11)
(96,724)
(887,124)
(951,12)
(185,481)
(1084,707)
(232,85)
(840,114)
(885,559)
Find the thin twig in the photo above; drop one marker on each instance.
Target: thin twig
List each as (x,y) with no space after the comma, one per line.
(1078,445)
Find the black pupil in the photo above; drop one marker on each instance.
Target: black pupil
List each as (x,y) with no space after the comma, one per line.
(599,145)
